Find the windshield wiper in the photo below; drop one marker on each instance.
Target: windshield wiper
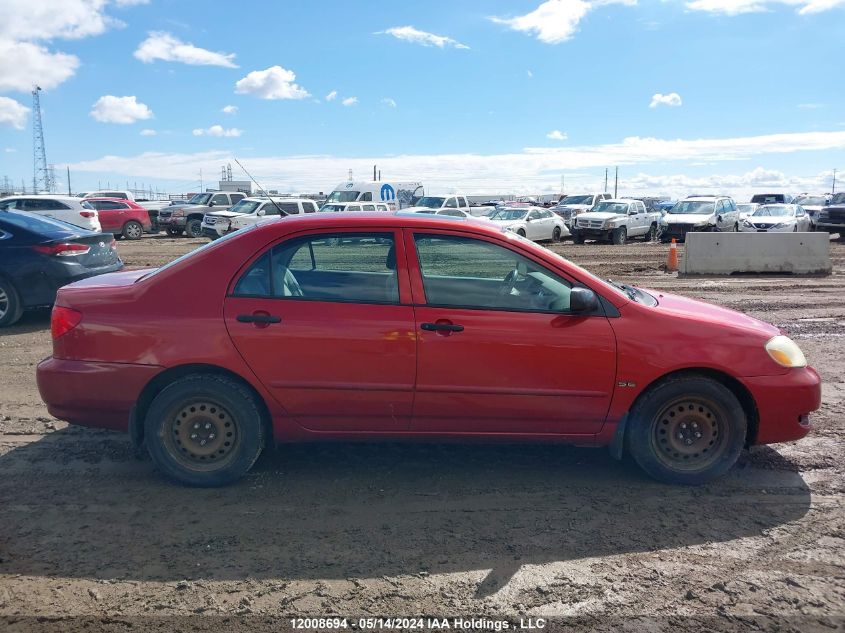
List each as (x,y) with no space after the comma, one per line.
(628,290)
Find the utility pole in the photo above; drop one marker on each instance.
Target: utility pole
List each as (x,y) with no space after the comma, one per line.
(374,173)
(605,179)
(833,189)
(40,171)
(616,183)
(68,180)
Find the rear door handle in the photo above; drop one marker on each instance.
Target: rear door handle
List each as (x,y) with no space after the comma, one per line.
(442,327)
(258,318)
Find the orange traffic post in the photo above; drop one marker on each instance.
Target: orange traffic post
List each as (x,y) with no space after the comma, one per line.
(672,260)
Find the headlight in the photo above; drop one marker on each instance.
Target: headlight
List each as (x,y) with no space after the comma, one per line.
(747,223)
(663,222)
(779,225)
(785,352)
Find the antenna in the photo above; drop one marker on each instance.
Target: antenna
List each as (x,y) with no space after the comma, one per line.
(260,188)
(41,180)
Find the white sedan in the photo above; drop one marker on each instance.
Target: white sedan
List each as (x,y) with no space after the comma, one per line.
(777,218)
(532,222)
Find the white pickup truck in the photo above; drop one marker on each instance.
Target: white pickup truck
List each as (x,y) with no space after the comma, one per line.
(442,203)
(615,221)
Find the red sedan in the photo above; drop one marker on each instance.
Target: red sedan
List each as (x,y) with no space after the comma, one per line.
(347,326)
(122,217)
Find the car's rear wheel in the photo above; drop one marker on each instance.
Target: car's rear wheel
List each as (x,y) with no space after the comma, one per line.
(11,308)
(556,233)
(687,430)
(619,236)
(194,228)
(132,230)
(651,236)
(204,430)
(174,232)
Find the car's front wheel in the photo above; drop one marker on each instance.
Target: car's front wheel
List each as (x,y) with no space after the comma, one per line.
(11,307)
(687,430)
(520,232)
(619,236)
(204,430)
(193,228)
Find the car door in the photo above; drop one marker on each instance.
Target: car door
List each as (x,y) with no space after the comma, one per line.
(325,322)
(533,226)
(112,215)
(803,222)
(637,221)
(220,201)
(498,350)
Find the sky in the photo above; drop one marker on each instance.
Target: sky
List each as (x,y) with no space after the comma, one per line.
(477,96)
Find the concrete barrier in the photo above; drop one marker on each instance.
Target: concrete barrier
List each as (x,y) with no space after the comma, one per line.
(736,253)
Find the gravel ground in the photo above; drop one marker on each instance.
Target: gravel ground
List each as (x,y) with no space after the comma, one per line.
(92,539)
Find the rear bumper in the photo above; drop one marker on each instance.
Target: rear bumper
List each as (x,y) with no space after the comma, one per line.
(784,404)
(91,393)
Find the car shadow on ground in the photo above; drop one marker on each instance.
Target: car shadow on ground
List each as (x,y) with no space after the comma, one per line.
(77,504)
(35,320)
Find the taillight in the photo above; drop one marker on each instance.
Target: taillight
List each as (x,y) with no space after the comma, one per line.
(63,320)
(87,214)
(64,249)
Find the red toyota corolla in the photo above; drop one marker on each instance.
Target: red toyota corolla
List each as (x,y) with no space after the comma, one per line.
(347,326)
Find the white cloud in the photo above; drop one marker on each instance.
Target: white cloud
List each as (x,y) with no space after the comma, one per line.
(123,110)
(10,150)
(557,135)
(13,113)
(218,130)
(531,170)
(737,7)
(350,101)
(555,21)
(274,82)
(530,74)
(230,109)
(671,99)
(415,36)
(390,103)
(164,46)
(25,64)
(148,132)
(331,96)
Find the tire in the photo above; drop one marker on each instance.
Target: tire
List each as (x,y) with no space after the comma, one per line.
(651,236)
(736,227)
(520,232)
(577,238)
(688,430)
(204,430)
(132,230)
(619,236)
(556,233)
(11,307)
(174,232)
(193,228)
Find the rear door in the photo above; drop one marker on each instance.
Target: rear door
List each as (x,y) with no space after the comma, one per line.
(325,321)
(498,350)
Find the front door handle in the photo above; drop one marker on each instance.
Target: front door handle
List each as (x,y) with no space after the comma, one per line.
(258,318)
(442,327)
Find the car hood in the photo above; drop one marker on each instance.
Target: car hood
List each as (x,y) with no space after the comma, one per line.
(685,308)
(687,218)
(576,207)
(768,220)
(603,215)
(224,214)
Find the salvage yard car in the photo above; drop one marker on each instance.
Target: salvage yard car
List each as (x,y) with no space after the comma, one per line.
(252,210)
(68,209)
(535,223)
(572,206)
(615,221)
(832,217)
(38,255)
(411,326)
(187,218)
(699,213)
(122,217)
(777,218)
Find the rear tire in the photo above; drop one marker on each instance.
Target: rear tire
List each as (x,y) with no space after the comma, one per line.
(132,230)
(651,236)
(619,236)
(687,430)
(520,232)
(556,233)
(11,308)
(193,228)
(204,430)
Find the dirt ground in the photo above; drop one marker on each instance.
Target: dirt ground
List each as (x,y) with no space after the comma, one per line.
(91,538)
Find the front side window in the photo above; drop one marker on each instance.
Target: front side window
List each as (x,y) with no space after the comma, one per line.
(462,203)
(342,267)
(366,197)
(270,209)
(470,273)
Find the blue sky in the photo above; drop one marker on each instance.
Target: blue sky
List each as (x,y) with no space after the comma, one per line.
(481,95)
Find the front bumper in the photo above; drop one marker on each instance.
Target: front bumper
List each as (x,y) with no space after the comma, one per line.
(830,227)
(679,231)
(92,393)
(784,404)
(173,222)
(594,234)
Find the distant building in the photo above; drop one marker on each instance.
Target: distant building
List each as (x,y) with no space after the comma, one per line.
(244,186)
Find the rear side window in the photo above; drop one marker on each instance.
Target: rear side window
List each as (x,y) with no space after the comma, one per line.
(309,207)
(342,267)
(369,207)
(237,197)
(462,202)
(221,199)
(290,207)
(34,204)
(366,197)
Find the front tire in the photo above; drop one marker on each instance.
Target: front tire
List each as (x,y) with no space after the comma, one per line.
(132,230)
(520,232)
(577,238)
(619,236)
(687,430)
(11,307)
(193,228)
(204,431)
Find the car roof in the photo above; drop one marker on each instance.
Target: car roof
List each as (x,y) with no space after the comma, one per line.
(50,196)
(395,219)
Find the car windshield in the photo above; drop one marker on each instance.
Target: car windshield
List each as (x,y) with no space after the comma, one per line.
(200,198)
(509,214)
(611,207)
(431,202)
(777,211)
(747,207)
(332,208)
(577,200)
(691,207)
(343,196)
(245,206)
(811,201)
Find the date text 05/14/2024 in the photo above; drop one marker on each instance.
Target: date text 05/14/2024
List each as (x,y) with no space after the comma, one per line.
(418,623)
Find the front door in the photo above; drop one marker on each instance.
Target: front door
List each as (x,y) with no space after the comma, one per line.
(499,351)
(319,320)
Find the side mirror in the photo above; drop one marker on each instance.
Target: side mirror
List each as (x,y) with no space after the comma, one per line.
(260,212)
(719,219)
(528,219)
(583,300)
(211,204)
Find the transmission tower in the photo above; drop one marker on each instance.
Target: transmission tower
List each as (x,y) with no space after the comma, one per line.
(41,176)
